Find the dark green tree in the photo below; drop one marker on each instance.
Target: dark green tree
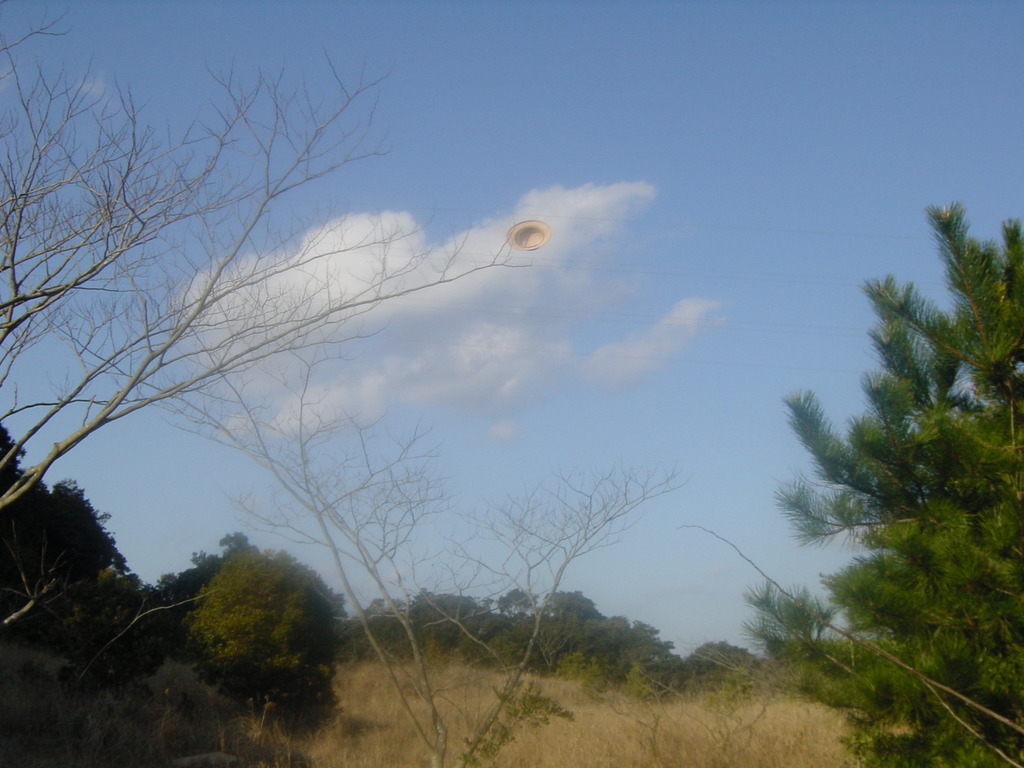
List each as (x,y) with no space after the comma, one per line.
(266,628)
(106,631)
(65,586)
(716,663)
(50,538)
(921,637)
(576,640)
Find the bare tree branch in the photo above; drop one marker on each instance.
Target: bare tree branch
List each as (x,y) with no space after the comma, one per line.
(135,272)
(43,583)
(386,520)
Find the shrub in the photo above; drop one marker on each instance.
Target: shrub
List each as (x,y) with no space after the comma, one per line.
(266,630)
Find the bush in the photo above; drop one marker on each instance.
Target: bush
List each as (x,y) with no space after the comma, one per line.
(588,671)
(105,633)
(266,630)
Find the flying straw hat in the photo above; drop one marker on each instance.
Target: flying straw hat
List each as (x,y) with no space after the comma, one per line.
(528,235)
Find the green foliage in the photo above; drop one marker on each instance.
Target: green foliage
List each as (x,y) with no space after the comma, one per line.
(720,664)
(930,482)
(104,632)
(58,561)
(178,592)
(527,706)
(638,684)
(266,629)
(49,536)
(592,675)
(576,640)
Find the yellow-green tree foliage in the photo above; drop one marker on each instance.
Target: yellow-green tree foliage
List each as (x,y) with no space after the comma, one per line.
(266,629)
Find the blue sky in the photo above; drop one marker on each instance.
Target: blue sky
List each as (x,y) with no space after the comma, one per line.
(720,179)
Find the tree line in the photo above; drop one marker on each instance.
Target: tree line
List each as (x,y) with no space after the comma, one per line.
(264,627)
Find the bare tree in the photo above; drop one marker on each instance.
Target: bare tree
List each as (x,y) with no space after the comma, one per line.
(137,271)
(370,500)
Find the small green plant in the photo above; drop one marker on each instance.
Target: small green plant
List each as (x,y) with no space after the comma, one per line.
(638,684)
(590,673)
(527,706)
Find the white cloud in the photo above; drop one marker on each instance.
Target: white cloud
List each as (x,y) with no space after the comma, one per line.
(503,431)
(486,344)
(488,367)
(624,363)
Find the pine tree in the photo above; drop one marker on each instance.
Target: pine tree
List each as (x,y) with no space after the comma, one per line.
(921,637)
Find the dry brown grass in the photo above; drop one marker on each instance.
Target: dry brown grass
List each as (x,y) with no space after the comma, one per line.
(711,730)
(42,725)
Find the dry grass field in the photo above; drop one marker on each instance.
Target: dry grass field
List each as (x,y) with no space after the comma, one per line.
(712,730)
(43,726)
